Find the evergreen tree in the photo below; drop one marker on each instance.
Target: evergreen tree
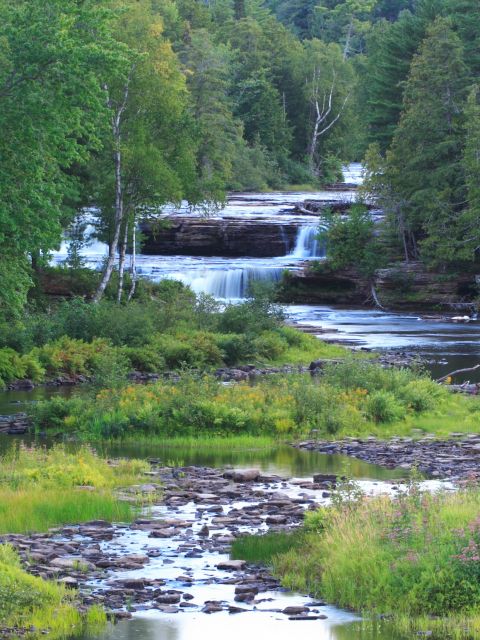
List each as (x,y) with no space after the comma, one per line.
(390,49)
(470,241)
(425,162)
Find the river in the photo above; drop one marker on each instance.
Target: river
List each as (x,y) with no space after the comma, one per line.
(445,345)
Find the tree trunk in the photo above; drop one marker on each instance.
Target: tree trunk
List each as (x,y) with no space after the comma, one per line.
(134,262)
(121,263)
(346,49)
(119,204)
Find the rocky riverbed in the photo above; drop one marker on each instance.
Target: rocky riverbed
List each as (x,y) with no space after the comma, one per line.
(174,558)
(457,458)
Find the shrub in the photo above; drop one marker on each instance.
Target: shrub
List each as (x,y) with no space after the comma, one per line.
(235,347)
(270,345)
(382,406)
(146,358)
(421,395)
(70,356)
(11,366)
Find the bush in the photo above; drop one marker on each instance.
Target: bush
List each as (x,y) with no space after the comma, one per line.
(270,345)
(147,358)
(417,555)
(421,395)
(382,406)
(11,366)
(235,347)
(71,357)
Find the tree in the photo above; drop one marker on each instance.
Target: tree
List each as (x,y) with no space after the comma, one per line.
(390,50)
(51,111)
(346,23)
(208,70)
(149,152)
(327,88)
(424,165)
(470,239)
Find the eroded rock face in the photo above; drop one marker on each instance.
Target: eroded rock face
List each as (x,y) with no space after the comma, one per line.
(220,237)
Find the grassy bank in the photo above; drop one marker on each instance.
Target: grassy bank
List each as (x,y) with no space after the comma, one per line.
(35,607)
(415,559)
(350,398)
(40,489)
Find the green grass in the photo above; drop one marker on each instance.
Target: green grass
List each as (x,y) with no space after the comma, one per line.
(42,488)
(416,559)
(43,607)
(38,509)
(314,349)
(263,549)
(351,398)
(208,443)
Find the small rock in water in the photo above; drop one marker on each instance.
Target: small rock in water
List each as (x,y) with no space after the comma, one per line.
(231,565)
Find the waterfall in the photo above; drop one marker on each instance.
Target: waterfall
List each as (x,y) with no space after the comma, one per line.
(307,244)
(285,240)
(227,284)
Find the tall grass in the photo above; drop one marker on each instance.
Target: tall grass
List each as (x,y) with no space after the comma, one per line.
(412,558)
(42,488)
(42,607)
(263,549)
(36,509)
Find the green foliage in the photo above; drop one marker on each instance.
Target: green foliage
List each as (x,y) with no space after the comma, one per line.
(351,242)
(54,55)
(33,603)
(41,489)
(263,549)
(350,398)
(413,556)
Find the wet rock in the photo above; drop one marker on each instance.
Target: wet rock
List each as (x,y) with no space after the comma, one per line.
(212,606)
(78,564)
(329,478)
(295,610)
(163,533)
(168,598)
(231,565)
(276,519)
(246,475)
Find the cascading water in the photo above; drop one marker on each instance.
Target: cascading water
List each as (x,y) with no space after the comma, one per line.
(229,283)
(307,244)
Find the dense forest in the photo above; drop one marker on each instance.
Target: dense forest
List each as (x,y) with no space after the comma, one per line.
(127,105)
(154,394)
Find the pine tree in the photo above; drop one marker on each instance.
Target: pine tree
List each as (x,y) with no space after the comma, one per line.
(425,163)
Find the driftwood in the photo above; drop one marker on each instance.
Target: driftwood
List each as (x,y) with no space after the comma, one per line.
(457,371)
(375,297)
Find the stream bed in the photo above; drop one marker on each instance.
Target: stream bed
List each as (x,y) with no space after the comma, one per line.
(171,570)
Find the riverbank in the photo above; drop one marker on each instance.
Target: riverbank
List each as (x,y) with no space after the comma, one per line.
(401,286)
(412,560)
(174,558)
(457,457)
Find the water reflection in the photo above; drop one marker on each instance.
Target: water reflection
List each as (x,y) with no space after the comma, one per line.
(187,626)
(283,460)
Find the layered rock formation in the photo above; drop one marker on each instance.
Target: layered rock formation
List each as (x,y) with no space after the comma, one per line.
(220,237)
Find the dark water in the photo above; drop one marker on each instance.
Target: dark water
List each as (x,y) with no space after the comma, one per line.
(446,346)
(283,460)
(12,402)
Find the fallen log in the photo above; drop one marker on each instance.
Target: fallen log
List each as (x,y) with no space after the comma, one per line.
(457,371)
